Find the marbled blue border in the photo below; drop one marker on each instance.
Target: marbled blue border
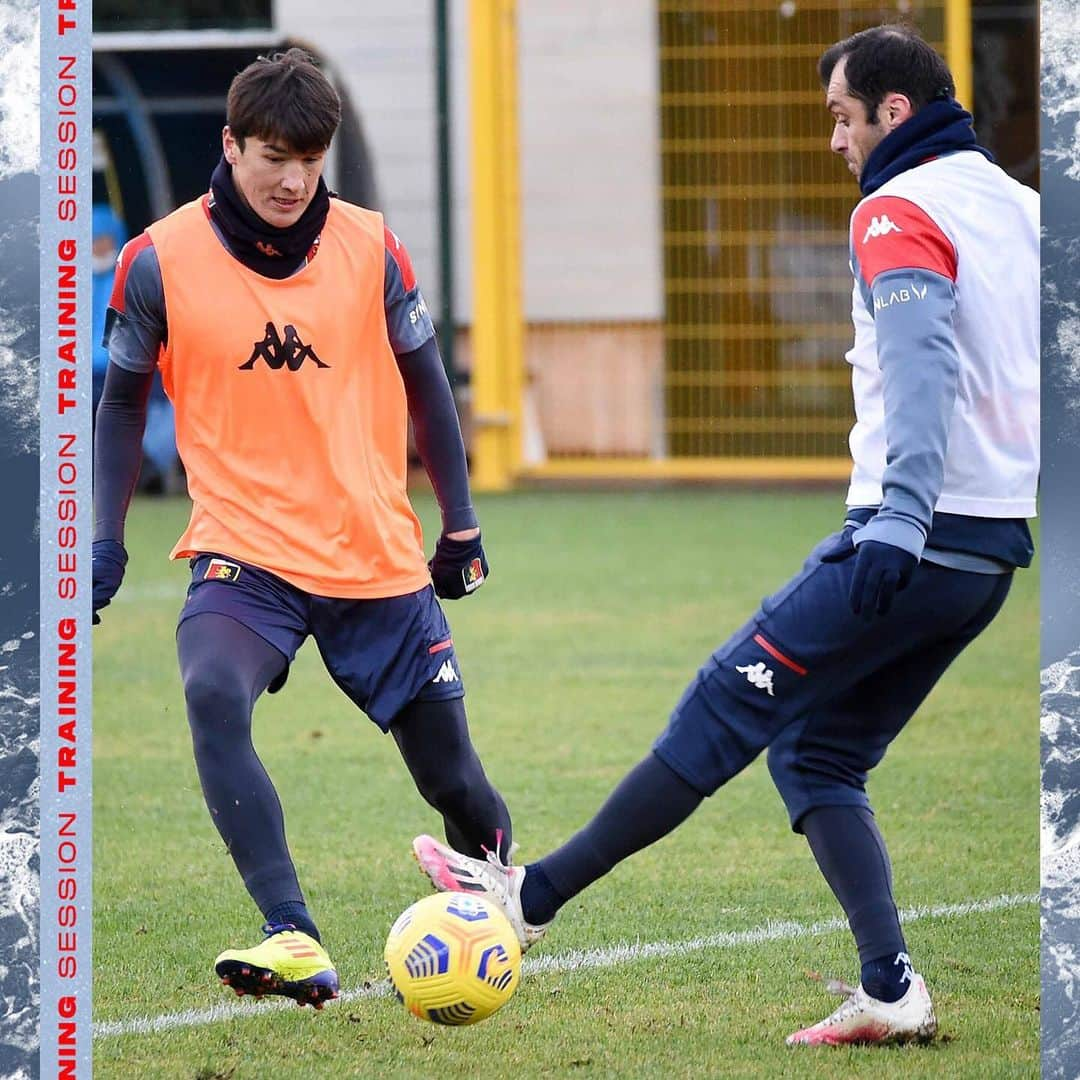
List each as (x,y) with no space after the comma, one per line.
(66,1027)
(19,596)
(1060,533)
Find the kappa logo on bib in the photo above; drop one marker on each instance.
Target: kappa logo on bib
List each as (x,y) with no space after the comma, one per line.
(278,352)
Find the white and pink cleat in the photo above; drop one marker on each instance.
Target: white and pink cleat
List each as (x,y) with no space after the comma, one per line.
(450,871)
(863,1019)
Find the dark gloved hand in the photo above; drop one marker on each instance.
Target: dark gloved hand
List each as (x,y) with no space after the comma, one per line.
(458,567)
(109,559)
(843,547)
(881,571)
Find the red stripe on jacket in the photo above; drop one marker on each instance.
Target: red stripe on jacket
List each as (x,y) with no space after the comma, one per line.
(891,233)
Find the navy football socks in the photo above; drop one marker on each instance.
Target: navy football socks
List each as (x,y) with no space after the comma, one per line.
(295,912)
(888,977)
(851,854)
(540,900)
(648,803)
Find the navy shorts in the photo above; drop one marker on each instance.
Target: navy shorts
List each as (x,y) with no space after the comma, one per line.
(825,691)
(383,653)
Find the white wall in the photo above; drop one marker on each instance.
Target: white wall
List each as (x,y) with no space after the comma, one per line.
(588,89)
(385,56)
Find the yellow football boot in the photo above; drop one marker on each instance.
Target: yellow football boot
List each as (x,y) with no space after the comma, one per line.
(289,962)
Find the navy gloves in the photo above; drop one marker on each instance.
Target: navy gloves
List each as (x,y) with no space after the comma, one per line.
(109,560)
(458,567)
(881,571)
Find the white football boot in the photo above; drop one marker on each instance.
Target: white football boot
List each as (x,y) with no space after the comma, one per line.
(450,871)
(863,1019)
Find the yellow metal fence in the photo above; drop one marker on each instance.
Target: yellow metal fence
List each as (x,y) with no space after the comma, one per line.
(750,377)
(757,313)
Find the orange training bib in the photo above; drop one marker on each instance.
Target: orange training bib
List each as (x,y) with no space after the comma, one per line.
(291,417)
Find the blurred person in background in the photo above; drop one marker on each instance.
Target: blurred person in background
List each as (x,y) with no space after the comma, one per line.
(295,344)
(161,463)
(108,237)
(944,247)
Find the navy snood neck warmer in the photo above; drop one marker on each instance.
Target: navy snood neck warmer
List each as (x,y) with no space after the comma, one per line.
(264,248)
(942,127)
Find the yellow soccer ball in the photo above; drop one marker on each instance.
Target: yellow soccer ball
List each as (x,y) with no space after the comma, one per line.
(453,958)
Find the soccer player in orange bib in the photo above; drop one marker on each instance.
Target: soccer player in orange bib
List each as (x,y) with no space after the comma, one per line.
(295,345)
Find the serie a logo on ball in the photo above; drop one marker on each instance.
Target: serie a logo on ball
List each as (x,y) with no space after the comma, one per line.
(453,958)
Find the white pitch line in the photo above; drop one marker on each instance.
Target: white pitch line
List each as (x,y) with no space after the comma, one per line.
(576,960)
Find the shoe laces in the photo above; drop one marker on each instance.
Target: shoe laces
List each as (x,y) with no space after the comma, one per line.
(840,988)
(270,929)
(494,858)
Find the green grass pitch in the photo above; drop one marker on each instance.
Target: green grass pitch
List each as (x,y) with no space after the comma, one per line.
(599,609)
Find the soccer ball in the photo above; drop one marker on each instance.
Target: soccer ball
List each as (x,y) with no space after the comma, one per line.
(453,958)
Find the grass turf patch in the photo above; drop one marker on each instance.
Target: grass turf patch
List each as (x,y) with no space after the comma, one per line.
(599,609)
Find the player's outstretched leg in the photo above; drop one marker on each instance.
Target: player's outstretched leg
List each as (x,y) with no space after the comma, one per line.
(891,1003)
(433,737)
(648,803)
(224,667)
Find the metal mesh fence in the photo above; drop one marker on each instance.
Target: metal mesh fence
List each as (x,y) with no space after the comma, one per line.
(755,213)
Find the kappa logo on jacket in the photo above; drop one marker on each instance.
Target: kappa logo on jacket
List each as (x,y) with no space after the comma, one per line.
(880,226)
(280,352)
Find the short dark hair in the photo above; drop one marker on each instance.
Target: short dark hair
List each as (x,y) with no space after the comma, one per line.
(890,59)
(286,98)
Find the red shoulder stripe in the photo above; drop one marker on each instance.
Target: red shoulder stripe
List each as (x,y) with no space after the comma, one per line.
(890,233)
(401,257)
(123,265)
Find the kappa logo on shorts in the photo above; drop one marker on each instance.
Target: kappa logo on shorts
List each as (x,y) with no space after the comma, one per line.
(446,673)
(220,570)
(473,576)
(758,675)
